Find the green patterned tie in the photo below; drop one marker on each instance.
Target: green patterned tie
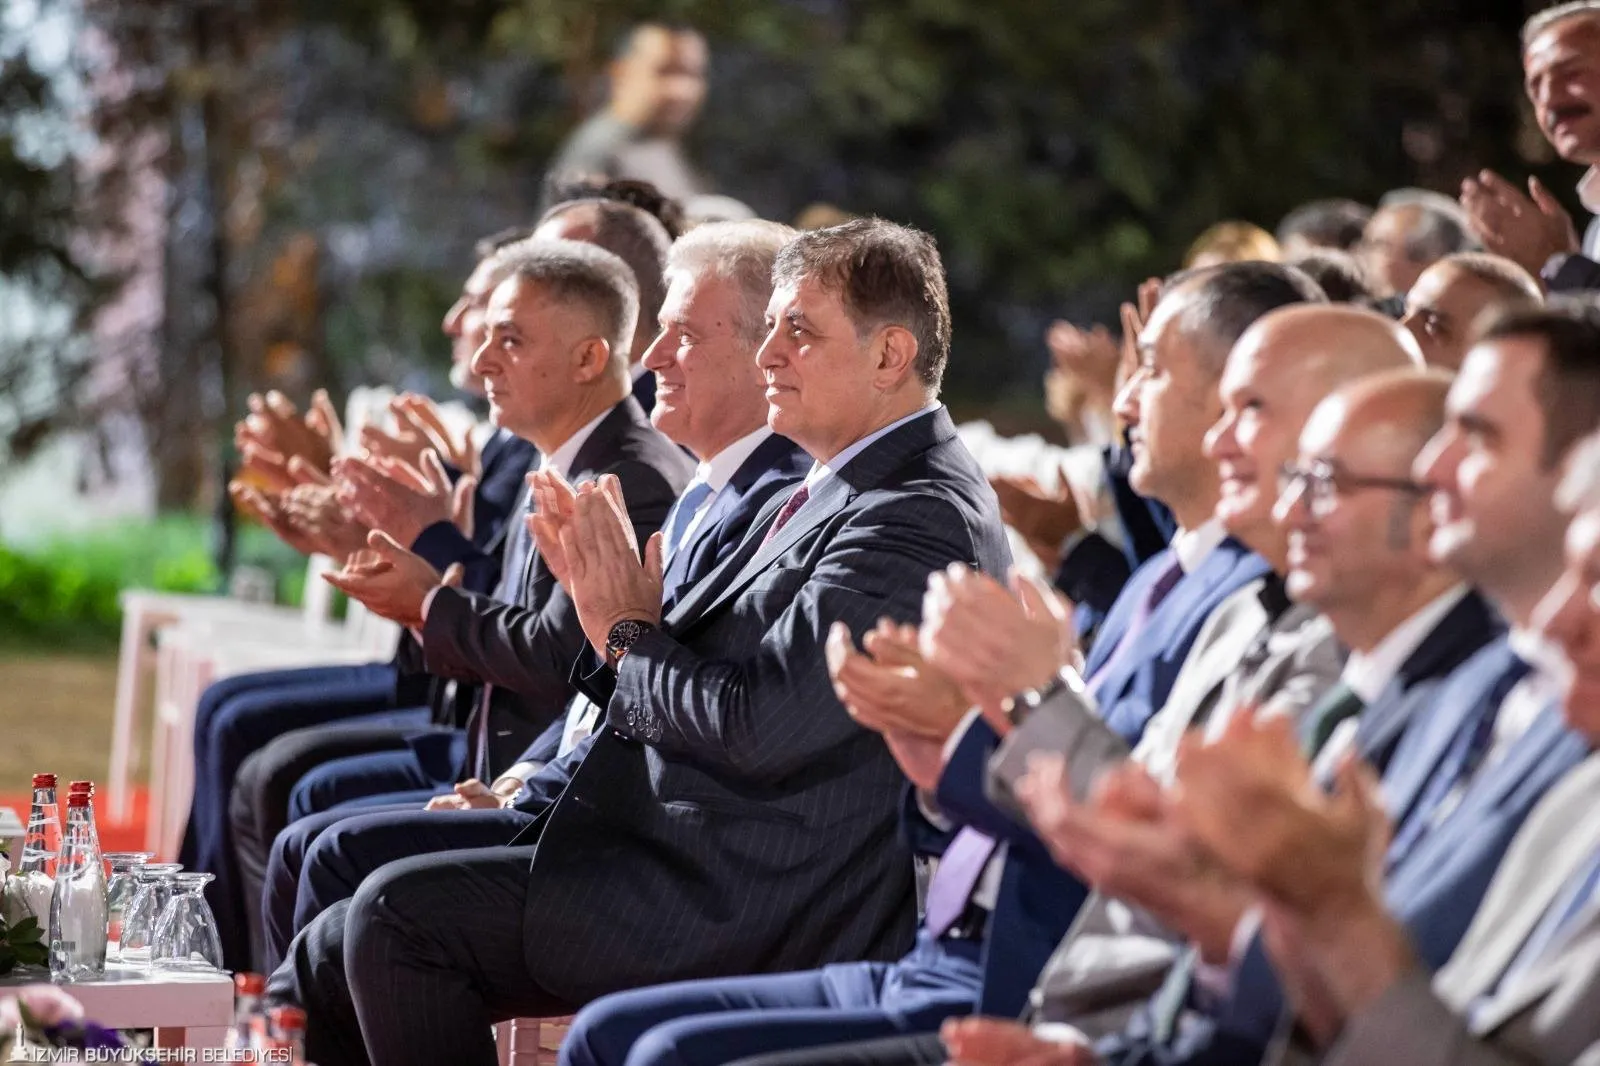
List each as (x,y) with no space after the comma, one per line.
(1339,703)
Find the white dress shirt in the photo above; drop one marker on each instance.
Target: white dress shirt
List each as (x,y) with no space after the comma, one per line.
(1589,196)
(1368,673)
(821,472)
(718,471)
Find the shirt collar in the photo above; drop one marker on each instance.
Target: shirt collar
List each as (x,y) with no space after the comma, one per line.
(1369,672)
(561,459)
(820,471)
(1191,546)
(718,470)
(1589,190)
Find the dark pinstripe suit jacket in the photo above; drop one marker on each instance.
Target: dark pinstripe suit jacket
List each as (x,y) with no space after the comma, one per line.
(731,818)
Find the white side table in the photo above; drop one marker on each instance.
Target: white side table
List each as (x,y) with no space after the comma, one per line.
(185,1009)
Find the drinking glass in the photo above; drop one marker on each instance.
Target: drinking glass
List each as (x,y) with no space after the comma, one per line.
(149,900)
(186,934)
(120,888)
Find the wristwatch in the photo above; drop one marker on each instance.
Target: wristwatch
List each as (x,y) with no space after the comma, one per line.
(1025,703)
(622,635)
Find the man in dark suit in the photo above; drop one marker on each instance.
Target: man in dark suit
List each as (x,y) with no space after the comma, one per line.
(383,760)
(728,816)
(989,948)
(237,715)
(712,403)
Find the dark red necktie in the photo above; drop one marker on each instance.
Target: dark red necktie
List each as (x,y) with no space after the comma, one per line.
(787,511)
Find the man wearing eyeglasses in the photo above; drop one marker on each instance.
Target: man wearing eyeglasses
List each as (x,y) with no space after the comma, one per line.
(1358,529)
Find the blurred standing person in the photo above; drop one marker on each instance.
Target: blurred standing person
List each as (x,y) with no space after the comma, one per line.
(658,82)
(1334,225)
(1411,230)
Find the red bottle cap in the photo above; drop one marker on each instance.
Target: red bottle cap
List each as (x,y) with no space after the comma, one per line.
(287,1019)
(78,799)
(249,984)
(44,780)
(81,786)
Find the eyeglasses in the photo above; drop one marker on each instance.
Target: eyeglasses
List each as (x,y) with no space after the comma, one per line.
(1323,483)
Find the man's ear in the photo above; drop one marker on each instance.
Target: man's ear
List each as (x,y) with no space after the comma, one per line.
(896,354)
(591,358)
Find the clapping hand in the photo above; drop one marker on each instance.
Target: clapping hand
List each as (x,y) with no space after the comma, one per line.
(891,690)
(423,417)
(274,434)
(1525,228)
(1002,1042)
(554,504)
(605,576)
(1125,842)
(314,511)
(402,500)
(267,508)
(1043,519)
(391,581)
(994,643)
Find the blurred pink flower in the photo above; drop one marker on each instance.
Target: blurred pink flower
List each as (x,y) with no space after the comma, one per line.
(48,1004)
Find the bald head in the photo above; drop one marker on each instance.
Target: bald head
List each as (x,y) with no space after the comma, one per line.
(1357,524)
(1282,367)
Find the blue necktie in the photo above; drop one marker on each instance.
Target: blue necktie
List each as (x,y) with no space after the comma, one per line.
(683,511)
(1165,582)
(1458,766)
(518,550)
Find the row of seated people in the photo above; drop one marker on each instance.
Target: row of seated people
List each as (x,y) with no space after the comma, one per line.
(679,758)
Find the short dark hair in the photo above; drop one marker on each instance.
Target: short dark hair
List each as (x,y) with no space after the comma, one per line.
(484,247)
(1334,224)
(584,274)
(634,236)
(565,189)
(1568,389)
(1338,274)
(1226,300)
(887,274)
(1441,228)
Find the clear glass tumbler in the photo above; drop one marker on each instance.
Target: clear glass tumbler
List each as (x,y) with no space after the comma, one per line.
(186,934)
(125,866)
(144,909)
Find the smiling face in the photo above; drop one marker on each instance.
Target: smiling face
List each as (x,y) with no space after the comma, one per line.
(1358,539)
(1569,617)
(1561,68)
(1491,490)
(709,391)
(1168,404)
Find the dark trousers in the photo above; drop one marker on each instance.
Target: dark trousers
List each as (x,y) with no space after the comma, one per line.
(924,1049)
(320,860)
(709,1022)
(258,804)
(235,717)
(417,967)
(360,776)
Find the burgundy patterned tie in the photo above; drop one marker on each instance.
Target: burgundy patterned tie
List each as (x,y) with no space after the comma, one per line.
(787,511)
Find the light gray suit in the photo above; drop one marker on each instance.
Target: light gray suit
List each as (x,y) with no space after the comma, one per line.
(1114,955)
(1549,1011)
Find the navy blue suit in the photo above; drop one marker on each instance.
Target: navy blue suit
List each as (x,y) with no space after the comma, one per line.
(238,715)
(1434,883)
(321,858)
(1135,683)
(724,1019)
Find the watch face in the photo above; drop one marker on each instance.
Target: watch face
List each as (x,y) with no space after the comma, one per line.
(625,632)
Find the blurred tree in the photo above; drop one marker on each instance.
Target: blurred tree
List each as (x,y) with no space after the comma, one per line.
(296,184)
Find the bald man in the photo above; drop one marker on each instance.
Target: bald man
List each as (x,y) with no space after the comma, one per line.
(1453,293)
(1359,528)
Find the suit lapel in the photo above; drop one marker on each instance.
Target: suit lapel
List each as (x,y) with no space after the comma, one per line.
(1570,832)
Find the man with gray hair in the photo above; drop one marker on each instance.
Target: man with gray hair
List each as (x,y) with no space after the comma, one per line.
(1561,74)
(1411,230)
(729,816)
(712,403)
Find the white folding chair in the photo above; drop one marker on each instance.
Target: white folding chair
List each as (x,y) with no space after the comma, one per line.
(526,1041)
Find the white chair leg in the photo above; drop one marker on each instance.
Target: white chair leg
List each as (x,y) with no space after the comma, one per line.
(502,1042)
(133,668)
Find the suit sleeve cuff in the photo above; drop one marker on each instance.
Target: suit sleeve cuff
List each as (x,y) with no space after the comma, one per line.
(520,771)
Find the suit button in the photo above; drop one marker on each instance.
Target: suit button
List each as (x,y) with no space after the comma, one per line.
(632,719)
